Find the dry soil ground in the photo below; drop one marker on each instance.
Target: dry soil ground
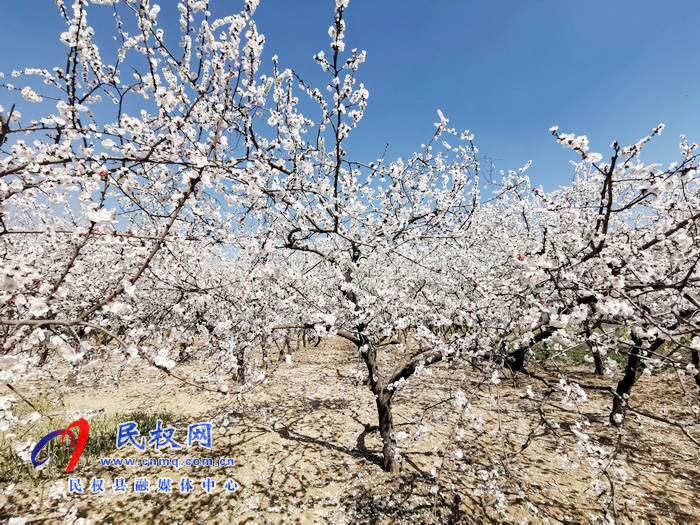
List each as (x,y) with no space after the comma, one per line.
(306,452)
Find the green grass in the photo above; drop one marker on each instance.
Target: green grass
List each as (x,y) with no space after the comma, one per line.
(44,405)
(575,356)
(446,330)
(101,440)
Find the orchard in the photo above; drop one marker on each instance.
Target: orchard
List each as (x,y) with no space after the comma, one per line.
(181,208)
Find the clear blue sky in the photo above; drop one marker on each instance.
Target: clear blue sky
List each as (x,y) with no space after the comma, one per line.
(505,69)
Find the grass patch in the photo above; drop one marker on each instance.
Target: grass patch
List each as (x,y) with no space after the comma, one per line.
(447,330)
(102,439)
(44,405)
(577,356)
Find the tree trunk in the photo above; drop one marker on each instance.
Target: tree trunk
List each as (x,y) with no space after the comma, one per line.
(386,429)
(634,368)
(383,398)
(516,361)
(695,357)
(240,366)
(598,363)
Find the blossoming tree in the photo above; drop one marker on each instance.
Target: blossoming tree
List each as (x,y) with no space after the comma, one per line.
(198,201)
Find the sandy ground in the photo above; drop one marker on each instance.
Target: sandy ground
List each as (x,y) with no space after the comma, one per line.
(306,451)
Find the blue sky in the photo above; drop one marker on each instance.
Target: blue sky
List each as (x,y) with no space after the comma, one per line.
(507,70)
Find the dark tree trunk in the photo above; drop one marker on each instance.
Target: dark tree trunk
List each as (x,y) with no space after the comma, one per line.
(386,429)
(695,357)
(264,354)
(240,366)
(597,360)
(598,363)
(516,362)
(632,371)
(383,398)
(634,368)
